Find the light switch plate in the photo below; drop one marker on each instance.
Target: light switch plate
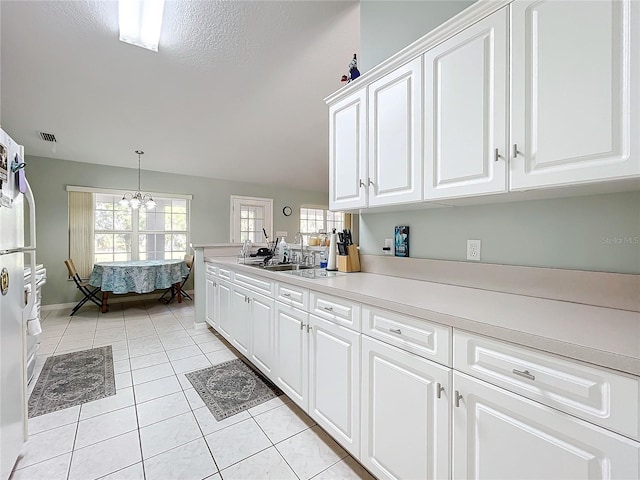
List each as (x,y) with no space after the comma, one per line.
(387,249)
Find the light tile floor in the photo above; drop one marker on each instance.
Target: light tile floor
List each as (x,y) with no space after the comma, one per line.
(156,427)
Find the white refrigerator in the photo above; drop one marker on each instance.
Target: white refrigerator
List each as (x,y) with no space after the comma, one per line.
(14,254)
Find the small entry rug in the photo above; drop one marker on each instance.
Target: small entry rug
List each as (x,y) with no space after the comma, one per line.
(231,387)
(71,379)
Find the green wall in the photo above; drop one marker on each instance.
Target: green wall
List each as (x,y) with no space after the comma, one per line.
(596,232)
(210,208)
(386,27)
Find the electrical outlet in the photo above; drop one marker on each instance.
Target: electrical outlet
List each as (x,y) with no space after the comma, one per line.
(387,249)
(473,250)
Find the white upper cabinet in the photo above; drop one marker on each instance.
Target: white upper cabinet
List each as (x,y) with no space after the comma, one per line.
(395,136)
(575,92)
(348,152)
(466,81)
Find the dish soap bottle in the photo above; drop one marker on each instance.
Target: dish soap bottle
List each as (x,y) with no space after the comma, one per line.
(323,259)
(283,251)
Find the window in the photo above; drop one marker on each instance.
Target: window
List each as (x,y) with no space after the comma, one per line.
(121,233)
(249,215)
(314,220)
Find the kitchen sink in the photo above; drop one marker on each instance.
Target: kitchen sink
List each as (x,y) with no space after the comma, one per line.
(285,267)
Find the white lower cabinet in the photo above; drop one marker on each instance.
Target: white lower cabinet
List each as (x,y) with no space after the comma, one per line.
(211,300)
(501,435)
(334,381)
(223,309)
(262,333)
(240,319)
(291,353)
(405,414)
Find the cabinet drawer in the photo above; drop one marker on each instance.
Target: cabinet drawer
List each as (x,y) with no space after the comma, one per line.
(292,295)
(595,394)
(258,284)
(429,340)
(212,270)
(225,273)
(338,310)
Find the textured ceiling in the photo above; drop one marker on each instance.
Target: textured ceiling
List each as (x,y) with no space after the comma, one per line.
(235,92)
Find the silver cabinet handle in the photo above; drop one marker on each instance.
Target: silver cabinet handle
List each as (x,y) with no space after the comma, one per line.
(497,155)
(370,181)
(302,325)
(439,390)
(328,309)
(395,330)
(524,374)
(516,152)
(362,184)
(286,295)
(458,398)
(309,328)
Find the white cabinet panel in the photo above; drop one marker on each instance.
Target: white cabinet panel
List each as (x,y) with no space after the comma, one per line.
(334,381)
(291,350)
(466,111)
(348,152)
(405,426)
(211,291)
(576,97)
(262,334)
(223,309)
(600,396)
(429,340)
(395,136)
(240,319)
(501,435)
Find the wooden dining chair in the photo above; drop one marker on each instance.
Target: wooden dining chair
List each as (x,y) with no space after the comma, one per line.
(87,290)
(172,291)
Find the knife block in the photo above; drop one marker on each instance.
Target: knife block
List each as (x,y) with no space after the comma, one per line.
(350,262)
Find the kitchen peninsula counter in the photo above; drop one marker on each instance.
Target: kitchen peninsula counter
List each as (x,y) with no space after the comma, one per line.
(602,336)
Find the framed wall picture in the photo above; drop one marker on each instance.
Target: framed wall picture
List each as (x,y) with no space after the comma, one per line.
(401,241)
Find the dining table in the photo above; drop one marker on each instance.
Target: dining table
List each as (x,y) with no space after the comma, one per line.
(137,276)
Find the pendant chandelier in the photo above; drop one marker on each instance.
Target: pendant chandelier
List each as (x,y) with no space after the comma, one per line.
(138,200)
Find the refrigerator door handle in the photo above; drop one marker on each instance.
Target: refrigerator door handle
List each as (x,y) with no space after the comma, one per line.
(30,249)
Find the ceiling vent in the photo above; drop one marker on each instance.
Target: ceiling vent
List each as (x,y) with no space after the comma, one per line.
(47,137)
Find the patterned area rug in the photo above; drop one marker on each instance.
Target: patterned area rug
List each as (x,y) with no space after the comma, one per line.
(231,387)
(71,379)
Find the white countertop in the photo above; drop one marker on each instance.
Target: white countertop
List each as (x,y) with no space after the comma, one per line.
(598,335)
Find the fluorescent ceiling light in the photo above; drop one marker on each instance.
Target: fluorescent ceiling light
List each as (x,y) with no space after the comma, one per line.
(141,22)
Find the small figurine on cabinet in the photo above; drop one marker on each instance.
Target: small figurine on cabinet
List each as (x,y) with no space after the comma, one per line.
(353,71)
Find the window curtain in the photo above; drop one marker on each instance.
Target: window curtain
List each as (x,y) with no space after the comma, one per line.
(81,231)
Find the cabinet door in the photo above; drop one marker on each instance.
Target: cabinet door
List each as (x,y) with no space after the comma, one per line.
(348,152)
(240,318)
(292,360)
(395,136)
(210,300)
(334,381)
(466,111)
(405,414)
(262,334)
(575,92)
(498,434)
(223,309)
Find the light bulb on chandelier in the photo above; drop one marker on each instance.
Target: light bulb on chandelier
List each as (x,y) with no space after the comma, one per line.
(138,200)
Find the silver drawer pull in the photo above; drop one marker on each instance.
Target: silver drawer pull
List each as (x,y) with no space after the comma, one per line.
(395,330)
(524,374)
(439,390)
(458,397)
(328,309)
(286,295)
